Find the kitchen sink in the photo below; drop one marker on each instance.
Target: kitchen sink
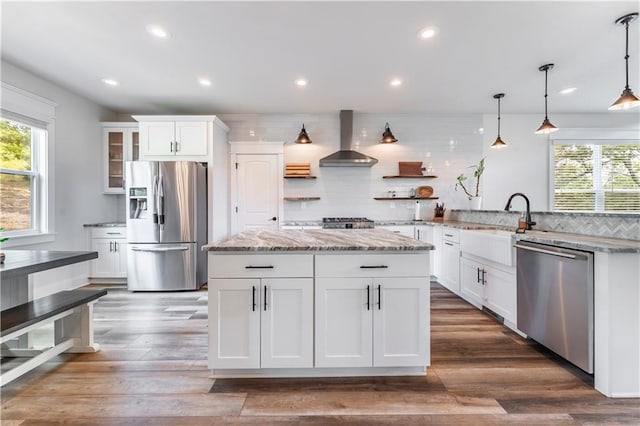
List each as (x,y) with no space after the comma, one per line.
(495,245)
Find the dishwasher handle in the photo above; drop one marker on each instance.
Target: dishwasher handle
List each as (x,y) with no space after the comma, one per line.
(551,252)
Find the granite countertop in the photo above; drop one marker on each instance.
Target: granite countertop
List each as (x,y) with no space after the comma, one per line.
(319,240)
(104,225)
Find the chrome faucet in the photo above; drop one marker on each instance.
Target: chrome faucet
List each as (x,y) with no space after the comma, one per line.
(528,222)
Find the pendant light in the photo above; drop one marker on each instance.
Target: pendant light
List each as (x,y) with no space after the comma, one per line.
(303,137)
(627,100)
(546,127)
(387,136)
(499,143)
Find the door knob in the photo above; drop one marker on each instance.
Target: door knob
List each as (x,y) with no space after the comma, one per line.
(274,218)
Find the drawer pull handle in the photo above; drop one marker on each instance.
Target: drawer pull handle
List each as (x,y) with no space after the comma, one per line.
(114,233)
(449,244)
(448,235)
(259,267)
(374,267)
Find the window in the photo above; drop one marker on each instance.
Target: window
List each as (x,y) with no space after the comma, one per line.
(26,137)
(596,176)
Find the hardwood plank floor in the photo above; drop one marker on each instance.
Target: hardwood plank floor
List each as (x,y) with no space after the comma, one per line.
(152,370)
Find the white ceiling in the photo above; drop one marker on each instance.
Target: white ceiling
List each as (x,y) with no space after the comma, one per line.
(253,51)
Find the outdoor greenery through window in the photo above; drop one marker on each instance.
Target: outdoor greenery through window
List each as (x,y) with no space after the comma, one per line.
(597,176)
(19,175)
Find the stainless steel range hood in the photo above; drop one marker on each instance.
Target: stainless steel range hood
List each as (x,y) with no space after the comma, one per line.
(346,157)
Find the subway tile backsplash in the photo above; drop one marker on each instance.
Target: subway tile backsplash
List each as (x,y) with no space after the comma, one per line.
(609,225)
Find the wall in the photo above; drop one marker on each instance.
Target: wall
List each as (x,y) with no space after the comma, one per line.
(452,141)
(77,174)
(523,166)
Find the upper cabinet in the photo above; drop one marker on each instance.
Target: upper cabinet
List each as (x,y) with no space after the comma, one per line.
(176,137)
(120,143)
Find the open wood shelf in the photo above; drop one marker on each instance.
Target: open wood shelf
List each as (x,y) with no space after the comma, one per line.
(301,198)
(406,198)
(298,177)
(411,177)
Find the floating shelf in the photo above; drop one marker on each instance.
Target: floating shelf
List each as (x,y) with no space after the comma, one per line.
(406,198)
(298,177)
(301,198)
(411,177)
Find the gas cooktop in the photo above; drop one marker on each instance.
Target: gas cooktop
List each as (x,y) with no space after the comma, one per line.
(347,223)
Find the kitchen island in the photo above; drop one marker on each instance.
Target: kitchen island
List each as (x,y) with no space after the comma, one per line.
(318,303)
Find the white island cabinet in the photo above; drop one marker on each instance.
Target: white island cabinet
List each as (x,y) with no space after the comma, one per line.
(360,298)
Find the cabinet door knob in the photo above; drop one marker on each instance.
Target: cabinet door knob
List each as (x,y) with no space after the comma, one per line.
(274,218)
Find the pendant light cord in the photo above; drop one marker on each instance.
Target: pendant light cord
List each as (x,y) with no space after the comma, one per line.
(546,73)
(626,56)
(498,118)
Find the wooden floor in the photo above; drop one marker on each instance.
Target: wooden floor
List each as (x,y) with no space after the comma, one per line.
(152,370)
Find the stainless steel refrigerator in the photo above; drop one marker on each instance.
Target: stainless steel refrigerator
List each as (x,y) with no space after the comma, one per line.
(166,210)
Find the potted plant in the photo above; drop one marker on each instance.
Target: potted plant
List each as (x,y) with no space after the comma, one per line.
(474,198)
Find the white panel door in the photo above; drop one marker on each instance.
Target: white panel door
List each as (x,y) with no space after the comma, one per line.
(257,194)
(344,322)
(234,323)
(104,265)
(158,138)
(471,282)
(191,137)
(286,312)
(401,322)
(500,293)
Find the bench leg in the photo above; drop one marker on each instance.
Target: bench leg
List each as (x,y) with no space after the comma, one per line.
(79,327)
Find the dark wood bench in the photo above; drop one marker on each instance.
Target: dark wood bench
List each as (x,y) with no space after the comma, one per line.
(73,316)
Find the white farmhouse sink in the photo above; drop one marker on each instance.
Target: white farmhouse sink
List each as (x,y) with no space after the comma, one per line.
(495,245)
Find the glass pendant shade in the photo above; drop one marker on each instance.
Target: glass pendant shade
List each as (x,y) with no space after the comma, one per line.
(387,136)
(499,143)
(303,137)
(546,127)
(627,100)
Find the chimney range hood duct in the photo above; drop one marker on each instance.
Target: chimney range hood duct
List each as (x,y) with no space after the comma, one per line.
(346,157)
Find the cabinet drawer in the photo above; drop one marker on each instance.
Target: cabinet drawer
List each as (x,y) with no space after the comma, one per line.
(109,232)
(451,234)
(373,265)
(260,265)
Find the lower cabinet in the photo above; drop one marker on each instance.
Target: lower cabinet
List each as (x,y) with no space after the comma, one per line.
(450,266)
(365,322)
(261,323)
(486,285)
(111,245)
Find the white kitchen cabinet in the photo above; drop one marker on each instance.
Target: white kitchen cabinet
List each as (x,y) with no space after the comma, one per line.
(436,265)
(450,272)
(120,143)
(472,281)
(260,311)
(366,316)
(174,138)
(111,245)
(427,234)
(406,230)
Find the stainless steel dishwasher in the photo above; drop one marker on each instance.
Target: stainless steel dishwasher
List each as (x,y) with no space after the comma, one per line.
(555,299)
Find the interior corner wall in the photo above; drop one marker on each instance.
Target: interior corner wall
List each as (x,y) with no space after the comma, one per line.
(77,175)
(523,166)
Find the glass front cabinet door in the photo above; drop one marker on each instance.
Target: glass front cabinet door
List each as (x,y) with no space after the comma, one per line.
(120,141)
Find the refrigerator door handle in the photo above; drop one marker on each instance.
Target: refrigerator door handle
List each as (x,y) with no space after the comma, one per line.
(160,249)
(160,202)
(154,197)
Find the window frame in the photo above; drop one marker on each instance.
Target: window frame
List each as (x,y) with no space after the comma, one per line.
(16,103)
(587,137)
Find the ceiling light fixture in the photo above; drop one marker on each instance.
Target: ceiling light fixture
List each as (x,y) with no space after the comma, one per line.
(546,127)
(627,100)
(499,143)
(568,90)
(204,81)
(301,82)
(157,31)
(303,137)
(387,136)
(427,32)
(396,82)
(110,81)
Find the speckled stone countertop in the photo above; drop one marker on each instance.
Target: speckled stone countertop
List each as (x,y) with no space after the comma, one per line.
(319,240)
(104,225)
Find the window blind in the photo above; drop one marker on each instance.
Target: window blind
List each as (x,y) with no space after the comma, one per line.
(597,176)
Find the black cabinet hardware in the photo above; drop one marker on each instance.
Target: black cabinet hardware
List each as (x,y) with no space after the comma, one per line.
(259,267)
(254,299)
(374,267)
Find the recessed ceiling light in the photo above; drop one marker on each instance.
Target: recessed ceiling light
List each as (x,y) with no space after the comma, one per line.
(301,82)
(568,90)
(204,81)
(110,81)
(396,82)
(427,32)
(158,31)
